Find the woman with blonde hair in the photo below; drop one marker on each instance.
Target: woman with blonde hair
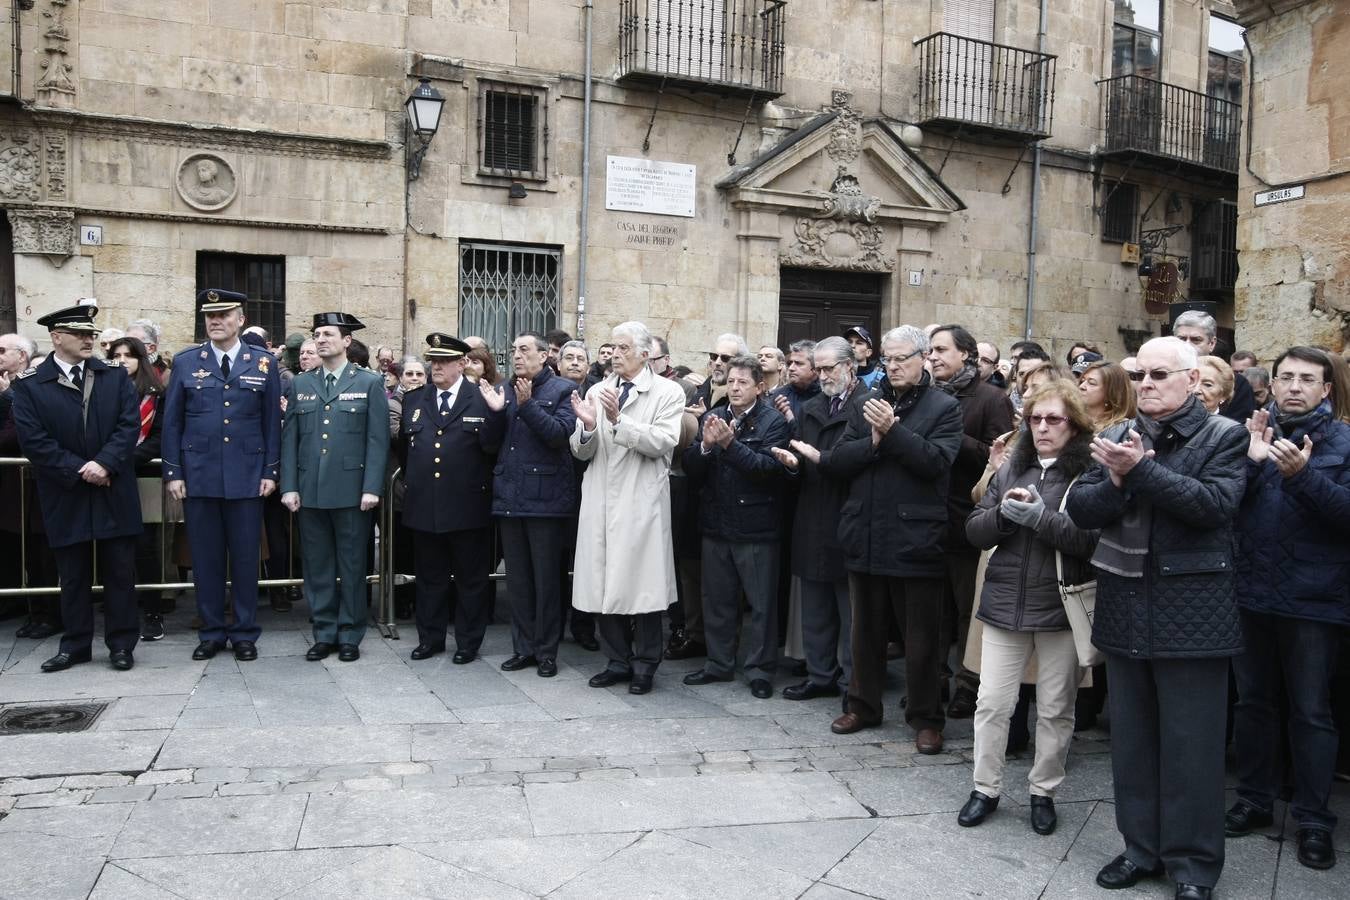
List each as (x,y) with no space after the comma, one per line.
(1216,383)
(1107,394)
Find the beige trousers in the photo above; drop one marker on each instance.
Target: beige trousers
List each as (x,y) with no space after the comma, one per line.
(1004,656)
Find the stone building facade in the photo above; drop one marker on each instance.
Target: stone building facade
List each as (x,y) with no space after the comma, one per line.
(1295,281)
(774,168)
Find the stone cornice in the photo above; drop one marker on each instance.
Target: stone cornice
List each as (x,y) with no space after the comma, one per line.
(219,137)
(1250,12)
(201,220)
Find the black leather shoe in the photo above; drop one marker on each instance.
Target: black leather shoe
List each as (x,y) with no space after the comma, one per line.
(1243,818)
(463,657)
(1193,892)
(761,689)
(121,659)
(1121,873)
(207,649)
(609,677)
(686,649)
(809,690)
(642,684)
(152,627)
(319,650)
(348,653)
(39,630)
(24,630)
(702,676)
(962,705)
(278,600)
(1315,849)
(426,651)
(62,661)
(976,810)
(587,642)
(518,662)
(245,651)
(1043,818)
(547,668)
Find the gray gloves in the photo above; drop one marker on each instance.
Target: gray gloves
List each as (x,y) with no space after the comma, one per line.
(1027,513)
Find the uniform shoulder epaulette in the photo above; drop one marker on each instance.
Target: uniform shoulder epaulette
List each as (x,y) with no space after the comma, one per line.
(191,348)
(26,372)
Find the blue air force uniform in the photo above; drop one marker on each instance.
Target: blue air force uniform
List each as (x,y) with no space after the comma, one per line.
(222,436)
(334,448)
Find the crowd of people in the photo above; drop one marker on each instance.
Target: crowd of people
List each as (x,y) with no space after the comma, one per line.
(1159,536)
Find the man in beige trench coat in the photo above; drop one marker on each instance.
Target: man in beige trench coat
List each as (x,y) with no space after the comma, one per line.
(627,427)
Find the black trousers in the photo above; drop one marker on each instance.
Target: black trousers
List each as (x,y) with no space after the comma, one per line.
(632,643)
(117,571)
(957,608)
(1167,740)
(533,551)
(465,555)
(917,604)
(583,623)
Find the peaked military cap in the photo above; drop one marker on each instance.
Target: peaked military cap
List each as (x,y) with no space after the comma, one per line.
(72,318)
(216,300)
(443,346)
(338,319)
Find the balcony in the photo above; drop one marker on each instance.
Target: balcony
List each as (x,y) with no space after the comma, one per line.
(1174,128)
(732,47)
(979,87)
(1214,253)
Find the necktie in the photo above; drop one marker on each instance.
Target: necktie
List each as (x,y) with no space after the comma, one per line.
(836,403)
(331,380)
(77,376)
(445,403)
(225,366)
(623,394)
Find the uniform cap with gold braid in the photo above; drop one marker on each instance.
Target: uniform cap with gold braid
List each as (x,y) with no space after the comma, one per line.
(78,319)
(214,300)
(338,320)
(443,346)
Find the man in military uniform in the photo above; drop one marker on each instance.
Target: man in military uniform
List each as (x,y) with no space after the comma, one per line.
(449,438)
(221,447)
(334,449)
(77,420)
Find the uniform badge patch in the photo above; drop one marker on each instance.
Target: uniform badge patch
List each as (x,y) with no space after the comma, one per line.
(200,373)
(263,364)
(417,414)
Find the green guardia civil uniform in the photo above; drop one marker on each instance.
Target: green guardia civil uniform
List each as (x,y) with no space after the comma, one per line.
(334,447)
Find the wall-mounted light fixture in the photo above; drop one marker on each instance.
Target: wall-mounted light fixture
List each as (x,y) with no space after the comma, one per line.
(424,107)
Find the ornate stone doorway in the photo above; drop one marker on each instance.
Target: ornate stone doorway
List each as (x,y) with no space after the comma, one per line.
(816,303)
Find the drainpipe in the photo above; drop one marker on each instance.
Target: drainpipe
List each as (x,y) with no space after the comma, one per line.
(1035,197)
(585,182)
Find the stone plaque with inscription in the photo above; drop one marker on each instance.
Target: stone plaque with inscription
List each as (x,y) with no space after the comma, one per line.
(649,186)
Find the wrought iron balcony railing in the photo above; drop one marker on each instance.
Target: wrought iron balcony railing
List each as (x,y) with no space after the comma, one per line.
(978,85)
(1170,123)
(1214,252)
(729,46)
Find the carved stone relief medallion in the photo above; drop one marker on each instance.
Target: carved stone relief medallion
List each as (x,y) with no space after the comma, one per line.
(206,182)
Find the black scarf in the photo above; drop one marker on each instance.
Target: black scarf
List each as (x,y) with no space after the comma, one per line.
(959,380)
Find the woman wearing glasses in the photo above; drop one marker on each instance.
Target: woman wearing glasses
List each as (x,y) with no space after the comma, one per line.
(1020,604)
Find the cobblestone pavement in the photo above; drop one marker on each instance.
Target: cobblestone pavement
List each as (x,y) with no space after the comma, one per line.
(386,777)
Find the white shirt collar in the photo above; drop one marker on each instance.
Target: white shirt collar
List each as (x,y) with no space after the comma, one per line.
(232,353)
(66,367)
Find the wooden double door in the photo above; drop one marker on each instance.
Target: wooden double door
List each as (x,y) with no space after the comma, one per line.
(816,303)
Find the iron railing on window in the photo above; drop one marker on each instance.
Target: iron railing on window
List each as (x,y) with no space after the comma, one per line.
(505,290)
(732,45)
(1170,122)
(977,83)
(512,130)
(1214,252)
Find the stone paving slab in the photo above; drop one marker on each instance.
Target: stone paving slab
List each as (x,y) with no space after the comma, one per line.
(400,872)
(645,803)
(213,825)
(808,849)
(252,875)
(353,819)
(116,883)
(97,680)
(313,746)
(523,739)
(33,755)
(535,865)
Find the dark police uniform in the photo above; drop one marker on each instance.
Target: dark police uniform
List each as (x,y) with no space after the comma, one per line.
(222,437)
(62,426)
(447,466)
(334,448)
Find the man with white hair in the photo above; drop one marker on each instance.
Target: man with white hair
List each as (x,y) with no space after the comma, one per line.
(147,331)
(1201,331)
(1164,493)
(624,572)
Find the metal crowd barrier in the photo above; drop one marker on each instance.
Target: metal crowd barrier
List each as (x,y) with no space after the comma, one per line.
(384,576)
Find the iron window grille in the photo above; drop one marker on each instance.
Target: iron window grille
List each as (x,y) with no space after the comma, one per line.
(1214,246)
(505,290)
(983,84)
(1120,213)
(734,45)
(261,278)
(512,130)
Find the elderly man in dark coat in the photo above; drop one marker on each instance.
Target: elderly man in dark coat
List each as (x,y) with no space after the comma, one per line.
(78,419)
(1164,492)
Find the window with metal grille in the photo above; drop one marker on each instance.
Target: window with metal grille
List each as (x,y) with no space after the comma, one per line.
(512,130)
(1214,246)
(261,278)
(1119,212)
(1136,38)
(505,290)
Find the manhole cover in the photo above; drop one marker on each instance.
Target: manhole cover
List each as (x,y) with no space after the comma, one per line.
(46,719)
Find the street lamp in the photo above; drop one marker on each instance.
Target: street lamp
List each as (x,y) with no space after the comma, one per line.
(424,106)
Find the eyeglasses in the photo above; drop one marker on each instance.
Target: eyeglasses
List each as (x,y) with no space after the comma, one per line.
(988,362)
(1154,374)
(898,360)
(1050,419)
(1196,339)
(724,357)
(1305,380)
